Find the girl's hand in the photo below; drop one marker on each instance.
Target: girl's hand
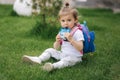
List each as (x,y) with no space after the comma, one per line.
(56,44)
(58,38)
(68,36)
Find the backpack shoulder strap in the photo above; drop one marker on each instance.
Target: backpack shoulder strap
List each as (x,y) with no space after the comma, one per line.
(75,29)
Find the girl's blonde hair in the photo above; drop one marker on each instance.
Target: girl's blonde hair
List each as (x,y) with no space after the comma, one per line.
(68,10)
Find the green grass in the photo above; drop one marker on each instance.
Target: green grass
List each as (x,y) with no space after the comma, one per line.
(16,40)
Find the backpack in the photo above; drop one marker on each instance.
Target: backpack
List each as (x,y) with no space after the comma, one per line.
(89,37)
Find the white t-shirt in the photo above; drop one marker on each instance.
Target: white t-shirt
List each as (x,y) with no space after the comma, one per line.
(68,49)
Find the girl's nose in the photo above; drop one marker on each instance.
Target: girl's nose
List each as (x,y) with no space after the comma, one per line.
(65,22)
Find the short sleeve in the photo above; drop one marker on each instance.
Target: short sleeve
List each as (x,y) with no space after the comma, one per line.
(78,35)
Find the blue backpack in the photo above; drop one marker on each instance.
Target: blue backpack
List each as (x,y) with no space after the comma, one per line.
(89,37)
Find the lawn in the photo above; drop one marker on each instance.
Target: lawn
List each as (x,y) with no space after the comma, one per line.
(16,40)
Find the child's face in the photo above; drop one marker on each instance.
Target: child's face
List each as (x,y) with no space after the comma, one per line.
(67,21)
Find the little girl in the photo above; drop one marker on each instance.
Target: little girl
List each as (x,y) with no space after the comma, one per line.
(71,50)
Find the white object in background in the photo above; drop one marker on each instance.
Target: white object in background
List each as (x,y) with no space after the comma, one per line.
(23,7)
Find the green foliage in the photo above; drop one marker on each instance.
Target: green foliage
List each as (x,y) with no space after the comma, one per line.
(16,40)
(48,8)
(46,31)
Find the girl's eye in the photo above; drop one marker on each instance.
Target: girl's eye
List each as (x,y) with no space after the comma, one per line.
(63,20)
(69,20)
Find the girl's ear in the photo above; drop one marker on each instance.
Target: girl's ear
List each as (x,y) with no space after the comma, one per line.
(76,21)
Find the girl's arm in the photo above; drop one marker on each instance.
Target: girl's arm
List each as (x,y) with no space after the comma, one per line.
(77,44)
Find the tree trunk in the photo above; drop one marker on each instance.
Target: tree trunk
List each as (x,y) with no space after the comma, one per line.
(44,19)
